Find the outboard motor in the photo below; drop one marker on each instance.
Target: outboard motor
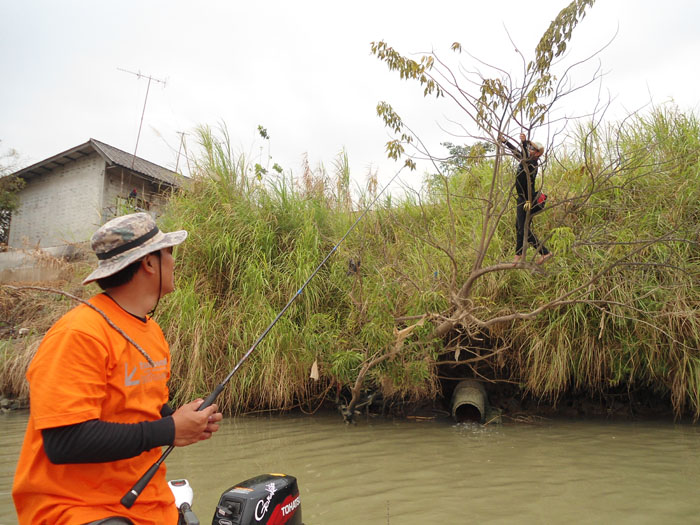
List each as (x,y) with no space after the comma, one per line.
(269,499)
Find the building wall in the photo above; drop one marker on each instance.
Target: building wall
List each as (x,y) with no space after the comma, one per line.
(119,183)
(60,207)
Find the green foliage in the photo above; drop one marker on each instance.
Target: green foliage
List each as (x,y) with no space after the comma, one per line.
(9,189)
(553,42)
(489,102)
(9,185)
(637,324)
(538,89)
(462,157)
(408,68)
(395,148)
(251,247)
(259,171)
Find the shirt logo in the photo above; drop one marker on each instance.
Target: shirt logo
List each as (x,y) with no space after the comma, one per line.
(143,373)
(129,377)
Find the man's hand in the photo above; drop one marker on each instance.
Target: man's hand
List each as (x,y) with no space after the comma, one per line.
(192,426)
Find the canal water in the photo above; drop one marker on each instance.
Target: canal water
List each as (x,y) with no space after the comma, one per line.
(436,472)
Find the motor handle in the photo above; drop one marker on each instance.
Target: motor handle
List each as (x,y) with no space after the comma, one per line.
(188,516)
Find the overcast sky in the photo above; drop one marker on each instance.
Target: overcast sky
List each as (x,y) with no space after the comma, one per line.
(302,69)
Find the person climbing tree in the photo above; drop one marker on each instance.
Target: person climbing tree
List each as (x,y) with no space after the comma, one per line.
(528,155)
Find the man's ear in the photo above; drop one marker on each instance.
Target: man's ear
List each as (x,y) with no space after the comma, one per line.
(148,264)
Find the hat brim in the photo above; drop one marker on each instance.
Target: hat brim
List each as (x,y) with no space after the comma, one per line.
(113,265)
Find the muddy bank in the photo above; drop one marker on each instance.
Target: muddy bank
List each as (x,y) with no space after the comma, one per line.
(507,402)
(7,404)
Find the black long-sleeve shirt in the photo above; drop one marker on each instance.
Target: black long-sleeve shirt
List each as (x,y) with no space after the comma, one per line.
(97,441)
(527,170)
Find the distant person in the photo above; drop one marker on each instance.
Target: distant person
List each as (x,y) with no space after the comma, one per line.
(528,156)
(98,409)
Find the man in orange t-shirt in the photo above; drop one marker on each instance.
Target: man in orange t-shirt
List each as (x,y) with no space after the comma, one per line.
(99,411)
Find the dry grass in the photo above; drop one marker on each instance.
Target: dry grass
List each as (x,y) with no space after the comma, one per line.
(253,243)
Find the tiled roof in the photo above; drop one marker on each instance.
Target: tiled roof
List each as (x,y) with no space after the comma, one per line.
(113,157)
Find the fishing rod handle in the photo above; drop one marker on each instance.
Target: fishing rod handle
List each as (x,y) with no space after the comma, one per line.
(211,397)
(130,497)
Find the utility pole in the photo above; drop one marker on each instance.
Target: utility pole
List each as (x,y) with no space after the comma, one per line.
(148,87)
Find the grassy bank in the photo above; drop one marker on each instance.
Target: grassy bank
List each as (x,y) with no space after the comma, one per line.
(626,250)
(637,325)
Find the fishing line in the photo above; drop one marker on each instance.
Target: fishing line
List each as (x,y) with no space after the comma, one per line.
(130,497)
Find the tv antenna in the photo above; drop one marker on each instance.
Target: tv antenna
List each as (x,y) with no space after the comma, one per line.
(182,144)
(139,75)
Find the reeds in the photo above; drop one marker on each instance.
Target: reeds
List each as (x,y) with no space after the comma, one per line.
(630,242)
(253,244)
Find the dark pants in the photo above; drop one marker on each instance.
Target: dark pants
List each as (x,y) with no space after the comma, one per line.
(520,216)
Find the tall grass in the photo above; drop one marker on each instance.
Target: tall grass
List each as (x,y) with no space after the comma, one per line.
(253,244)
(254,241)
(639,324)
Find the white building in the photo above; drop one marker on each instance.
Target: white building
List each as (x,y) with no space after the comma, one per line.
(68,196)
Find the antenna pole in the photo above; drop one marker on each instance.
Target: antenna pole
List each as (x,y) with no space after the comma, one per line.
(182,140)
(143,112)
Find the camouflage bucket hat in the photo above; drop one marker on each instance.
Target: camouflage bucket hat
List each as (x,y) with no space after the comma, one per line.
(126,239)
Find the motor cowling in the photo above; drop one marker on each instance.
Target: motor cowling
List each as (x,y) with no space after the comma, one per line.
(269,499)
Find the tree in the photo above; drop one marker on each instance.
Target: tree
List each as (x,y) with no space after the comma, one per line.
(598,165)
(9,187)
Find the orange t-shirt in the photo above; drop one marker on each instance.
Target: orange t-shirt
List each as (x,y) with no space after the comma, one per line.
(83,370)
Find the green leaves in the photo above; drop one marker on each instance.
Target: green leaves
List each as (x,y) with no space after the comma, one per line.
(259,171)
(497,98)
(390,117)
(494,95)
(408,68)
(9,187)
(562,239)
(395,148)
(553,42)
(462,157)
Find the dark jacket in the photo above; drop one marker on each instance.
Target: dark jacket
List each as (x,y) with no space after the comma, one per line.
(527,170)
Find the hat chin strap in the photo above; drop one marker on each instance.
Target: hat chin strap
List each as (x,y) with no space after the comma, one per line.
(160,283)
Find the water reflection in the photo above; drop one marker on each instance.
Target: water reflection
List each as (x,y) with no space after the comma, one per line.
(417,472)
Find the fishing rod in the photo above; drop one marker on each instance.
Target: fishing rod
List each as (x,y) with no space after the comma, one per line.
(130,497)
